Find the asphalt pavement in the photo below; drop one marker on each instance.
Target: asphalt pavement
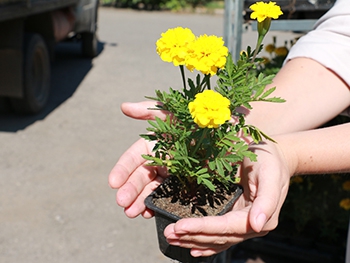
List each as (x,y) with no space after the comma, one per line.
(55,201)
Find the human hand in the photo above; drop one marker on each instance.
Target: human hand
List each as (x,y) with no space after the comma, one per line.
(256,213)
(135,180)
(140,110)
(265,184)
(130,175)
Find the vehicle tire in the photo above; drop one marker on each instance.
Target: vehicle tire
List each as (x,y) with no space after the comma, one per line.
(36,76)
(89,44)
(89,41)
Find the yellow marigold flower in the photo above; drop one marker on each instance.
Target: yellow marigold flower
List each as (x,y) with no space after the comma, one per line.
(210,109)
(346,185)
(173,45)
(281,51)
(345,203)
(208,54)
(262,10)
(270,48)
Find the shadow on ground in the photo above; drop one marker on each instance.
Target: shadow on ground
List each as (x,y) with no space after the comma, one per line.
(68,69)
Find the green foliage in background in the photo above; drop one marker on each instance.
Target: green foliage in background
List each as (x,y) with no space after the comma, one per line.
(174,5)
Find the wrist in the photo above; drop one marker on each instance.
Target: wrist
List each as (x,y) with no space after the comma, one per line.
(287,153)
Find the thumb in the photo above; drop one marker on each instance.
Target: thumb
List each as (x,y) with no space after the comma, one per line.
(262,215)
(145,110)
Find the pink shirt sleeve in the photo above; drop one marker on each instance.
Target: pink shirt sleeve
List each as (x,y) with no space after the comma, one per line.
(329,42)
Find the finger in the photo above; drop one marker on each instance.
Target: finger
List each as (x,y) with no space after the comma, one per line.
(266,203)
(128,162)
(205,252)
(214,248)
(212,244)
(215,231)
(137,206)
(143,180)
(135,184)
(142,110)
(147,213)
(211,241)
(209,251)
(234,222)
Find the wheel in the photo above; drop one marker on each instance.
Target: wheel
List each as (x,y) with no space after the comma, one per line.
(89,44)
(89,41)
(36,76)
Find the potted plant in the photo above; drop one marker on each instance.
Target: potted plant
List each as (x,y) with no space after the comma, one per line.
(202,141)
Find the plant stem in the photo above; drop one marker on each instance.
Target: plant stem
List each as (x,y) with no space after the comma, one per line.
(199,143)
(263,28)
(258,44)
(183,76)
(206,81)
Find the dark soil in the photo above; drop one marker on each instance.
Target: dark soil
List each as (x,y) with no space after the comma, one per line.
(201,202)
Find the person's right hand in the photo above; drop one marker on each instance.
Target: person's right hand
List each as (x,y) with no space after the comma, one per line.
(133,179)
(256,212)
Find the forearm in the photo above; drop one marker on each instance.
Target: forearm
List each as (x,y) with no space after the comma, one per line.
(315,92)
(325,150)
(313,95)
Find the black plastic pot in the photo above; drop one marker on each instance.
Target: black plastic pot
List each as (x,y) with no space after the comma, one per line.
(164,218)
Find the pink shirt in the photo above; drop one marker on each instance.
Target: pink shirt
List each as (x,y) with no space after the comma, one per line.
(329,42)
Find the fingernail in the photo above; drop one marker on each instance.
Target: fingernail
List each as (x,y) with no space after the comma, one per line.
(260,221)
(196,253)
(172,236)
(173,242)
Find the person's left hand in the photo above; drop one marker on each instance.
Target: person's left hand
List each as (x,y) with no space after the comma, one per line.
(265,184)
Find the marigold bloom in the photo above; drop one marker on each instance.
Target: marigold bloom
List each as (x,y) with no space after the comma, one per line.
(173,45)
(270,48)
(210,109)
(262,10)
(281,51)
(345,203)
(207,54)
(346,185)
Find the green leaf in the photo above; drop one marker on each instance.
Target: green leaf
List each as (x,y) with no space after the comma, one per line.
(219,167)
(227,142)
(212,165)
(155,161)
(149,137)
(233,158)
(267,93)
(232,137)
(202,171)
(227,165)
(207,183)
(252,156)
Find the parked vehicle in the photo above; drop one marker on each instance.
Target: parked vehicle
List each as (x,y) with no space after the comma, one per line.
(29,30)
